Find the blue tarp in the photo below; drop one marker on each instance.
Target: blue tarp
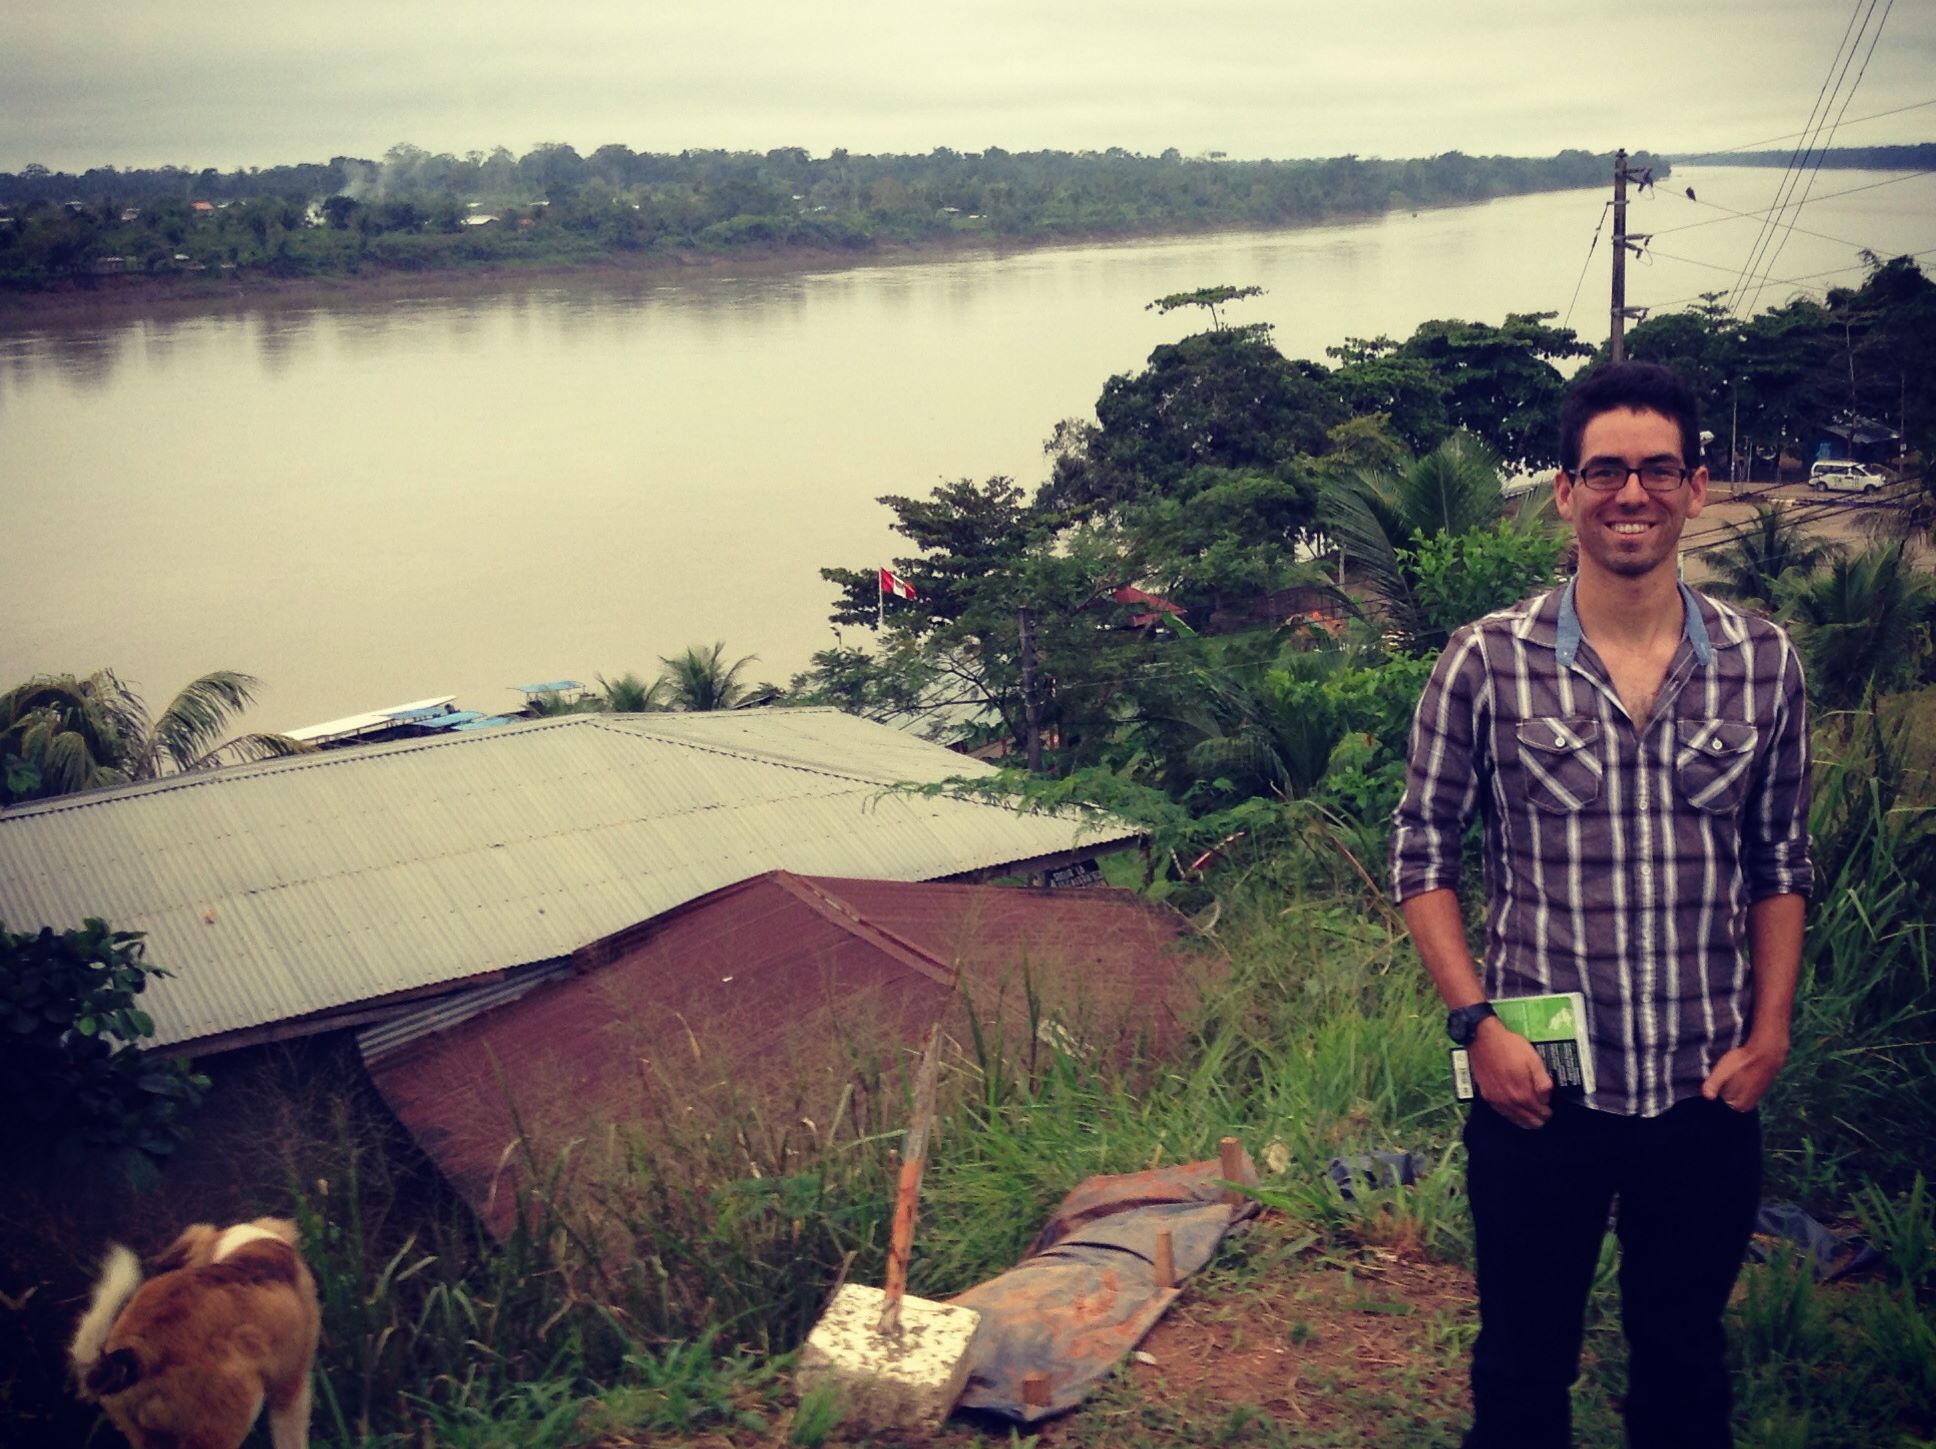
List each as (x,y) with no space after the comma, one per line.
(557,686)
(489,721)
(457,719)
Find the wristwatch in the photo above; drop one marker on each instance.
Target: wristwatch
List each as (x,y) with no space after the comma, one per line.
(1462,1023)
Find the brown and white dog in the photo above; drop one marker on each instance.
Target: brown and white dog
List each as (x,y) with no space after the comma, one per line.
(188,1359)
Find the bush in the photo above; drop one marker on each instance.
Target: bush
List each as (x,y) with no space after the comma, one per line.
(75,1079)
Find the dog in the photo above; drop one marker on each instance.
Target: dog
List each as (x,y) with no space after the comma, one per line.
(189,1358)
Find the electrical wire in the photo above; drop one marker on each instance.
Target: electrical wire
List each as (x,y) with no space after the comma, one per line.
(1604,209)
(1784,188)
(1699,157)
(1807,190)
(1782,281)
(1752,215)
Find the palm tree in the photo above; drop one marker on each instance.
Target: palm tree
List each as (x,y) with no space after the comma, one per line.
(1454,489)
(1755,556)
(628,694)
(70,733)
(1863,625)
(700,679)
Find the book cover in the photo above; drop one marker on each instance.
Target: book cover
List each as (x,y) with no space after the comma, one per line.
(1556,1026)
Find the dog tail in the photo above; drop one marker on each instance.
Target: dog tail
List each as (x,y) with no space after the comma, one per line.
(120,1277)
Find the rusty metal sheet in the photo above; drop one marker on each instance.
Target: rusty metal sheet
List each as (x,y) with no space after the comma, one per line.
(1086,1293)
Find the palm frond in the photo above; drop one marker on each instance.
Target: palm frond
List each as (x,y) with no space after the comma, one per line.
(187,734)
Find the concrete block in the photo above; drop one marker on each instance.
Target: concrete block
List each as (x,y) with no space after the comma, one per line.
(906,1381)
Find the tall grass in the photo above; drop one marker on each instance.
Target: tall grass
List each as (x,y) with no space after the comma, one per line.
(1855,1099)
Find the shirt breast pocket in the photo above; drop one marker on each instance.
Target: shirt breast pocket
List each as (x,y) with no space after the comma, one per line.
(1559,760)
(1713,759)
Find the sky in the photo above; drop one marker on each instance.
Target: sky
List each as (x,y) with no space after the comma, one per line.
(229,83)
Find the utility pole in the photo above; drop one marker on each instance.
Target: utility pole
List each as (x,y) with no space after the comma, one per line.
(1622,244)
(1029,711)
(1618,345)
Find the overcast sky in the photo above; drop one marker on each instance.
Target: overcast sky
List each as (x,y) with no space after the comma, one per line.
(241,82)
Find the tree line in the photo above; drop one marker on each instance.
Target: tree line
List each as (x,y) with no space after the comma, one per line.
(415,209)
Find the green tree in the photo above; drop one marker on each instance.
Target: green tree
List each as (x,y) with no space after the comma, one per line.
(1380,519)
(1208,298)
(898,681)
(1459,577)
(1407,391)
(701,679)
(1863,625)
(75,733)
(75,1080)
(1500,382)
(1225,399)
(1756,557)
(968,533)
(629,694)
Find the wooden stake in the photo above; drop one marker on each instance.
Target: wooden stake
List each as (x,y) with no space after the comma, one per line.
(907,1194)
(1230,1154)
(1035,1389)
(1165,1260)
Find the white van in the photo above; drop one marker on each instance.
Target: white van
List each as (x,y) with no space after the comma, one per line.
(1839,475)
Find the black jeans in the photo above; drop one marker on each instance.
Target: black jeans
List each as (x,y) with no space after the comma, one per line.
(1687,1183)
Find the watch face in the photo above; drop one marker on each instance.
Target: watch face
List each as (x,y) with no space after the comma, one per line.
(1462,1024)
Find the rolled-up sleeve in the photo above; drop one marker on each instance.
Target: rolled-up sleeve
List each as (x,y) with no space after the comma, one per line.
(1774,848)
(1442,771)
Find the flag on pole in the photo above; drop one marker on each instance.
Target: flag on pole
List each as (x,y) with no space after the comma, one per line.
(893,583)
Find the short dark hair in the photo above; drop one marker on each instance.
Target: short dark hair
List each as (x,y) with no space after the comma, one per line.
(1640,386)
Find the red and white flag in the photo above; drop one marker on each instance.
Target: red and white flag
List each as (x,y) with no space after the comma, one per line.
(893,583)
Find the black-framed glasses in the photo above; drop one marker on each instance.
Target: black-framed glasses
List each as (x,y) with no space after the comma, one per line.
(1604,477)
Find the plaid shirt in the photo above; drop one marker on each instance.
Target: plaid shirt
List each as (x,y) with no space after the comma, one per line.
(1620,861)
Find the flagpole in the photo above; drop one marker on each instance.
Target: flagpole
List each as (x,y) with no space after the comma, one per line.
(880,600)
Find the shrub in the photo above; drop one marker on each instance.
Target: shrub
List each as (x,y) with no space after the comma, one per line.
(75,1077)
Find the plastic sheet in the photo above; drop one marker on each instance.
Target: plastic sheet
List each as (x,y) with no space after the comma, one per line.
(1829,1254)
(1086,1293)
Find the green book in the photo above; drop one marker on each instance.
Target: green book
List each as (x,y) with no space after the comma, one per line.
(1556,1026)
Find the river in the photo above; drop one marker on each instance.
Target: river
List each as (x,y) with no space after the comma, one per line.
(367,502)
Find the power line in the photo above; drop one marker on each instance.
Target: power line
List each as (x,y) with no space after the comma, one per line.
(1779,282)
(1604,209)
(1730,214)
(1854,86)
(1751,215)
(1699,156)
(1784,188)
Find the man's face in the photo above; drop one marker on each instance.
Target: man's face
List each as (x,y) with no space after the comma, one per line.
(1629,532)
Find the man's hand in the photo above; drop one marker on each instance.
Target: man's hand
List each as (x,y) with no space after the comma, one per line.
(1742,1076)
(1510,1076)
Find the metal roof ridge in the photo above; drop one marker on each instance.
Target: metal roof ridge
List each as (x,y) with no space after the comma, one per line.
(281,764)
(759,756)
(844,915)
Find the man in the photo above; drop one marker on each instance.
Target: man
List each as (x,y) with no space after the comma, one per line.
(1639,754)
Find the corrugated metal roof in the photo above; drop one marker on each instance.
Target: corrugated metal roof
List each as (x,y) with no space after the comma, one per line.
(297,887)
(766,990)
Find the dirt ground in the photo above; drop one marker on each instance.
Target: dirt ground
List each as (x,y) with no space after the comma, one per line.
(1347,1347)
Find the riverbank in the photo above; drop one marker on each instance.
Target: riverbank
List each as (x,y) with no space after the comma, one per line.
(177,294)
